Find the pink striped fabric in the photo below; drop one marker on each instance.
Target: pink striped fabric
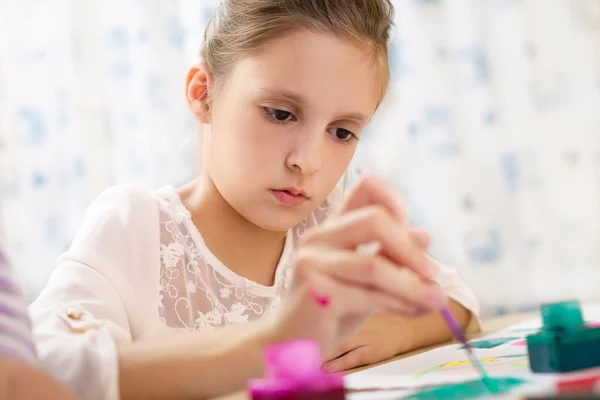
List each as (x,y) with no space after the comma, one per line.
(15,326)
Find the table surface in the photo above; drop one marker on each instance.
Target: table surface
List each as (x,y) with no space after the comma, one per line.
(489,326)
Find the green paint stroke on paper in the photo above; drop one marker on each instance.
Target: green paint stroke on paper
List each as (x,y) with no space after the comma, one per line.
(467,390)
(490,343)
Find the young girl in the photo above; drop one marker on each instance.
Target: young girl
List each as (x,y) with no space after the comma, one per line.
(175,293)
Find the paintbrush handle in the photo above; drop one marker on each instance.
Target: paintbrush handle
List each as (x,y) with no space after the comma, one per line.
(460,336)
(454,326)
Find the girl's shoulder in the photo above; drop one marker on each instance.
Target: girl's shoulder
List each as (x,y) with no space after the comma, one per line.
(127,202)
(122,205)
(124,215)
(120,232)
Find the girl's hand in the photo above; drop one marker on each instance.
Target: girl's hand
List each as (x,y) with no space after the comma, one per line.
(335,288)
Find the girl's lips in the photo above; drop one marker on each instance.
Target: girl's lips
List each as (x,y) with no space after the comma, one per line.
(289,198)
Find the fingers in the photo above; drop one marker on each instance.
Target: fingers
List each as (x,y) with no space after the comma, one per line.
(351,344)
(340,298)
(371,191)
(374,223)
(342,350)
(344,299)
(353,359)
(421,237)
(412,294)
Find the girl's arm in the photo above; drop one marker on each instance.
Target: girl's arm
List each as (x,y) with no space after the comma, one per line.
(19,381)
(414,333)
(101,295)
(195,366)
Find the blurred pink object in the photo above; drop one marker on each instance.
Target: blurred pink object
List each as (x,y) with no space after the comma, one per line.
(294,372)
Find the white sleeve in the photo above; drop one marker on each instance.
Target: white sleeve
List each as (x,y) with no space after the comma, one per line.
(81,315)
(457,290)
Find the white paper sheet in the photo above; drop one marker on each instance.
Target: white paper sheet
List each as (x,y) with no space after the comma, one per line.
(503,353)
(448,364)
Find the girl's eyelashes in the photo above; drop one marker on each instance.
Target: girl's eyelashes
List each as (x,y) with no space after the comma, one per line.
(343,135)
(279,116)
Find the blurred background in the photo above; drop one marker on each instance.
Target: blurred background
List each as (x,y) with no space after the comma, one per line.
(491,129)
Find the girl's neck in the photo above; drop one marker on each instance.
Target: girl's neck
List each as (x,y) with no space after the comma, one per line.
(246,249)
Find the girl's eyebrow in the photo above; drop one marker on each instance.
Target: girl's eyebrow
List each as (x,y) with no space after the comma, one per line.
(299,100)
(358,117)
(286,95)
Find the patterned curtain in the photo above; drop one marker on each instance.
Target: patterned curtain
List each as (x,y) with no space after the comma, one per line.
(491,129)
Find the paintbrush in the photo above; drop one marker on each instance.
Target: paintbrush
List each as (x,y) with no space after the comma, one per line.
(460,336)
(373,248)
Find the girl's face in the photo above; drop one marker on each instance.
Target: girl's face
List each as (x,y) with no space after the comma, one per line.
(286,125)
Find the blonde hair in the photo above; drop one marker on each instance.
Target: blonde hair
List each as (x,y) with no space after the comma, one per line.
(239,28)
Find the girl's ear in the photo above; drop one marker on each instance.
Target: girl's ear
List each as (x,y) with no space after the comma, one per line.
(199,84)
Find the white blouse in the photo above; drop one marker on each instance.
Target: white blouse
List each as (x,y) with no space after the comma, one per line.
(138,268)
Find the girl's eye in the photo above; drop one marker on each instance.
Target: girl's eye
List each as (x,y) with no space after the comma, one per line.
(343,135)
(278,115)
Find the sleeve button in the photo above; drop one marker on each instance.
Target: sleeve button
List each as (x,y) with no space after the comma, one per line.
(74,313)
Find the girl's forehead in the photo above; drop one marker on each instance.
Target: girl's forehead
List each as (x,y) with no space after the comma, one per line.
(318,67)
